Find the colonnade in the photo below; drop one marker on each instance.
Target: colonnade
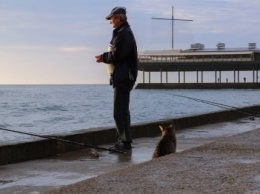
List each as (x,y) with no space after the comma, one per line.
(218,78)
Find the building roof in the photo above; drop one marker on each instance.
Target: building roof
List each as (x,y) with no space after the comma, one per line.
(223,50)
(206,51)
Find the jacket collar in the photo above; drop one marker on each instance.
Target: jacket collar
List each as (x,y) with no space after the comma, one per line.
(121,27)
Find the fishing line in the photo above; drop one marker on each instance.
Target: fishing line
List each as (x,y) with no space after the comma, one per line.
(63,140)
(220,105)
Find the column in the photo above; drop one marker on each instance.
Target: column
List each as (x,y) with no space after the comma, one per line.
(179,77)
(161,75)
(234,76)
(253,76)
(216,76)
(143,76)
(183,76)
(197,76)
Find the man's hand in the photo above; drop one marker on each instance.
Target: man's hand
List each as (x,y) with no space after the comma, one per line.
(99,58)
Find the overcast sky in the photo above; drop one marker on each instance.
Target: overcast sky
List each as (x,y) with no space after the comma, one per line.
(55,41)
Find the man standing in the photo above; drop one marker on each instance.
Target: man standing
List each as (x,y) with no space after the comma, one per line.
(122,56)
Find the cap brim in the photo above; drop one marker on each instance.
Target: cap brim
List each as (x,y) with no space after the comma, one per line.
(109,16)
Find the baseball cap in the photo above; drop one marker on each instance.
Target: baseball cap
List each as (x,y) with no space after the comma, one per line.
(116,10)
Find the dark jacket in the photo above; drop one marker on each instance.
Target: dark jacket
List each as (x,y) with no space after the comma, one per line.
(123,56)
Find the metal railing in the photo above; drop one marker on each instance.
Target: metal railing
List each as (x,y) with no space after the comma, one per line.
(194,60)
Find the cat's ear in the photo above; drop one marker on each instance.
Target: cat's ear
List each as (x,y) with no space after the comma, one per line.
(161,127)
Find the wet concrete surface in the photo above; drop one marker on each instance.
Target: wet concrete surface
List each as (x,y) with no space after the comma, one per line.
(40,176)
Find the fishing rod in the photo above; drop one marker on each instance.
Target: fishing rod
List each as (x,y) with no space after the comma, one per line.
(63,140)
(217,104)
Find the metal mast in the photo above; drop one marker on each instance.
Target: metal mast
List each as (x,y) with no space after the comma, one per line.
(172,19)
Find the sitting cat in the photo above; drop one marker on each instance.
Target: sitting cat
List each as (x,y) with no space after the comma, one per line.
(167,144)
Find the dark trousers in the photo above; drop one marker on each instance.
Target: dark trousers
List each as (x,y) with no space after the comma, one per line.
(122,114)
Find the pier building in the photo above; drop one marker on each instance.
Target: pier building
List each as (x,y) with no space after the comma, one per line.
(200,60)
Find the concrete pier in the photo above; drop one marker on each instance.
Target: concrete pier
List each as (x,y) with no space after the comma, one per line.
(227,165)
(201,62)
(214,158)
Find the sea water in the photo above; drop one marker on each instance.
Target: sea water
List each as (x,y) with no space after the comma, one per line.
(61,109)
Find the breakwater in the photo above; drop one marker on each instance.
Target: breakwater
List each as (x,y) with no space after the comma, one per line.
(30,150)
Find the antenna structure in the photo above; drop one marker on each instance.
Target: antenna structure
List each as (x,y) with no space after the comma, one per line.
(172,19)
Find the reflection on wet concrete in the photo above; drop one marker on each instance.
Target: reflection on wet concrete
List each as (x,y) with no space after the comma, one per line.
(69,168)
(247,161)
(5,181)
(50,178)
